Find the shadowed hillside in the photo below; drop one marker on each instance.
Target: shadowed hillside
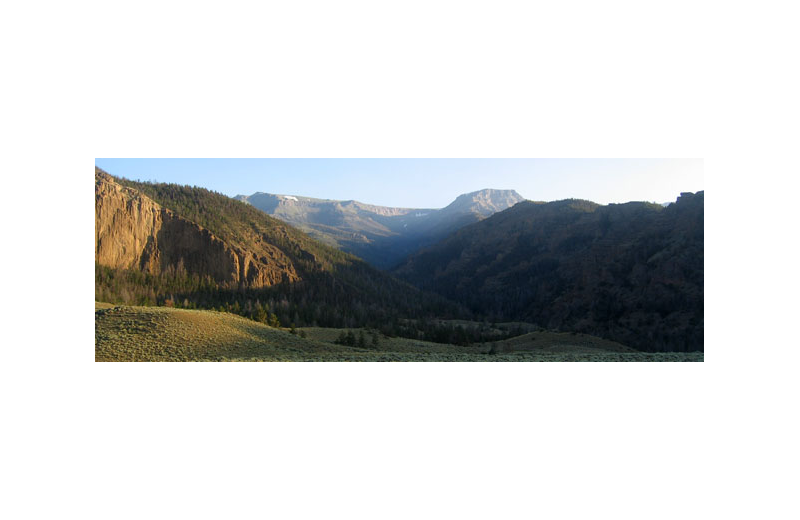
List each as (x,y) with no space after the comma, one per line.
(631,272)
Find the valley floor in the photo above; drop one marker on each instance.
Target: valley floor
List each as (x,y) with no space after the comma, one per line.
(163,334)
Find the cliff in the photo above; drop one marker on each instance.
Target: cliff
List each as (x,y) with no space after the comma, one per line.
(133,231)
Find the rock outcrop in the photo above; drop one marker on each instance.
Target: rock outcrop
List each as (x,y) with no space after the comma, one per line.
(126,225)
(134,232)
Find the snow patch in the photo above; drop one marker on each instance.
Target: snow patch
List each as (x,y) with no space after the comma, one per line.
(289,197)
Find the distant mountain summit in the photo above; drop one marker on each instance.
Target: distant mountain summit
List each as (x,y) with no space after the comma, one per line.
(383,236)
(485,202)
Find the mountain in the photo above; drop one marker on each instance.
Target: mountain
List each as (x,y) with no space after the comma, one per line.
(132,231)
(176,245)
(631,273)
(484,202)
(380,235)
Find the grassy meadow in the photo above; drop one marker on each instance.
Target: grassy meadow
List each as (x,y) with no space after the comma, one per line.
(124,333)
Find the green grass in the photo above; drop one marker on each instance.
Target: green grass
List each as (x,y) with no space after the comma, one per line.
(164,334)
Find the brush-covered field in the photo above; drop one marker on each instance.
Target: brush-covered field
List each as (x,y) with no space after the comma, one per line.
(164,334)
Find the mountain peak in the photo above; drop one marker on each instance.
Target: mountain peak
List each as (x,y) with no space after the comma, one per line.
(485,202)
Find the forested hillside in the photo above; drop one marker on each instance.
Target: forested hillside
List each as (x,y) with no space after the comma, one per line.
(631,273)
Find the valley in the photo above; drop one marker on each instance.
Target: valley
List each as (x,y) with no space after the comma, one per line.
(187,274)
(382,236)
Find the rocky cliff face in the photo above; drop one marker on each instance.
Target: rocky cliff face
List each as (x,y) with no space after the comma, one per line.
(126,225)
(133,231)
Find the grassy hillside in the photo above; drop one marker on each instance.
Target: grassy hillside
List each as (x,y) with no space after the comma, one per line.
(162,334)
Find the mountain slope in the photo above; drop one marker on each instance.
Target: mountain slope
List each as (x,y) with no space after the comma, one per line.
(632,272)
(169,244)
(133,231)
(382,236)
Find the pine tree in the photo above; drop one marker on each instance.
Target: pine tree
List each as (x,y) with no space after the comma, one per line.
(273,321)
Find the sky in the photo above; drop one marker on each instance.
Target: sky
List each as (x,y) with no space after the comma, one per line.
(426,183)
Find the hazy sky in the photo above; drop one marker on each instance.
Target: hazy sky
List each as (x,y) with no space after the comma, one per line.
(426,183)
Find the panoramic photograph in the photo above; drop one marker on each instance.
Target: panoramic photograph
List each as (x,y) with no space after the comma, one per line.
(414,260)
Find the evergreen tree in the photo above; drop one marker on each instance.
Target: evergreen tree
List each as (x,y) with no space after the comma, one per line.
(261,315)
(273,321)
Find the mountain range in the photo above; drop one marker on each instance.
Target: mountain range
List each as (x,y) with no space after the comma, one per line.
(383,236)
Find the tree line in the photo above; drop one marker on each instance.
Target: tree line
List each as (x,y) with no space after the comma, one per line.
(318,302)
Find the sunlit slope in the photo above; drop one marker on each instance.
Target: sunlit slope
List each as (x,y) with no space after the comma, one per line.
(166,334)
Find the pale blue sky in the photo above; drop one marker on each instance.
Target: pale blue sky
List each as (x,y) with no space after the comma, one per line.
(426,183)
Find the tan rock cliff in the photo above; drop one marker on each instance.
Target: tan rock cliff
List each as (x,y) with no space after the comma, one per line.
(134,232)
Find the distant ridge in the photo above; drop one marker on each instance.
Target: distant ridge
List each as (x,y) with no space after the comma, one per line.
(383,236)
